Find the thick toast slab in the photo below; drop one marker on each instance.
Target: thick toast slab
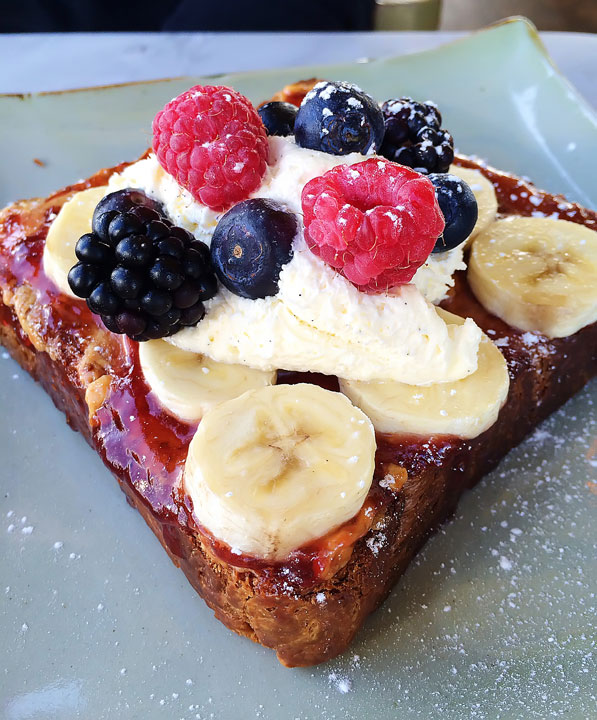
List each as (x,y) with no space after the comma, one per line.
(94,378)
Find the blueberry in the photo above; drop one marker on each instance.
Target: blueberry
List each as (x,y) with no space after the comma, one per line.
(339,118)
(459,207)
(250,244)
(91,249)
(122,201)
(83,277)
(278,118)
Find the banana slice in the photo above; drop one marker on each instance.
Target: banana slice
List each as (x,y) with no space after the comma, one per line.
(484,194)
(73,220)
(464,408)
(188,384)
(278,467)
(537,274)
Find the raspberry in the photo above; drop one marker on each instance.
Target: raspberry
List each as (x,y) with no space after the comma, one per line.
(213,142)
(376,222)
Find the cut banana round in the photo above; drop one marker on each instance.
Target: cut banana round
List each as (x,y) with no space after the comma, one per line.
(537,274)
(464,408)
(188,384)
(484,194)
(278,467)
(73,220)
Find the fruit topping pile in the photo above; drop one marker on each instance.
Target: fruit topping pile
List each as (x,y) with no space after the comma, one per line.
(375,222)
(414,136)
(143,276)
(250,245)
(213,142)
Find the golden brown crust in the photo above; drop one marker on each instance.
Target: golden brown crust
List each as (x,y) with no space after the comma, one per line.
(80,365)
(295,92)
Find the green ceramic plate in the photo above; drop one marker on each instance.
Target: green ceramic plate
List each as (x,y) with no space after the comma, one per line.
(495,619)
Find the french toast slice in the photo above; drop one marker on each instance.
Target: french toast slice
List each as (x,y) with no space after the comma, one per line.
(306,616)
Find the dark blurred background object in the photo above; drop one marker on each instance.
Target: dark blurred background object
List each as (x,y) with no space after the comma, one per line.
(287,15)
(185,15)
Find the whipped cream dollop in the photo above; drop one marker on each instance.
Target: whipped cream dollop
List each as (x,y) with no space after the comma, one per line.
(318,321)
(290,168)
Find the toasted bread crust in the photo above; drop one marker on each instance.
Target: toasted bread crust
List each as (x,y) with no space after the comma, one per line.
(82,366)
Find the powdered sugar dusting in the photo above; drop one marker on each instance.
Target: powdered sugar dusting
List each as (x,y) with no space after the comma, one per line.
(340,683)
(497,616)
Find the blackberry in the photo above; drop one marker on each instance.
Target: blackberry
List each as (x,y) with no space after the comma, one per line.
(129,201)
(143,276)
(414,136)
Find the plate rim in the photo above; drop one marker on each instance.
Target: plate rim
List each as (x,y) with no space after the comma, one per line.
(518,21)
